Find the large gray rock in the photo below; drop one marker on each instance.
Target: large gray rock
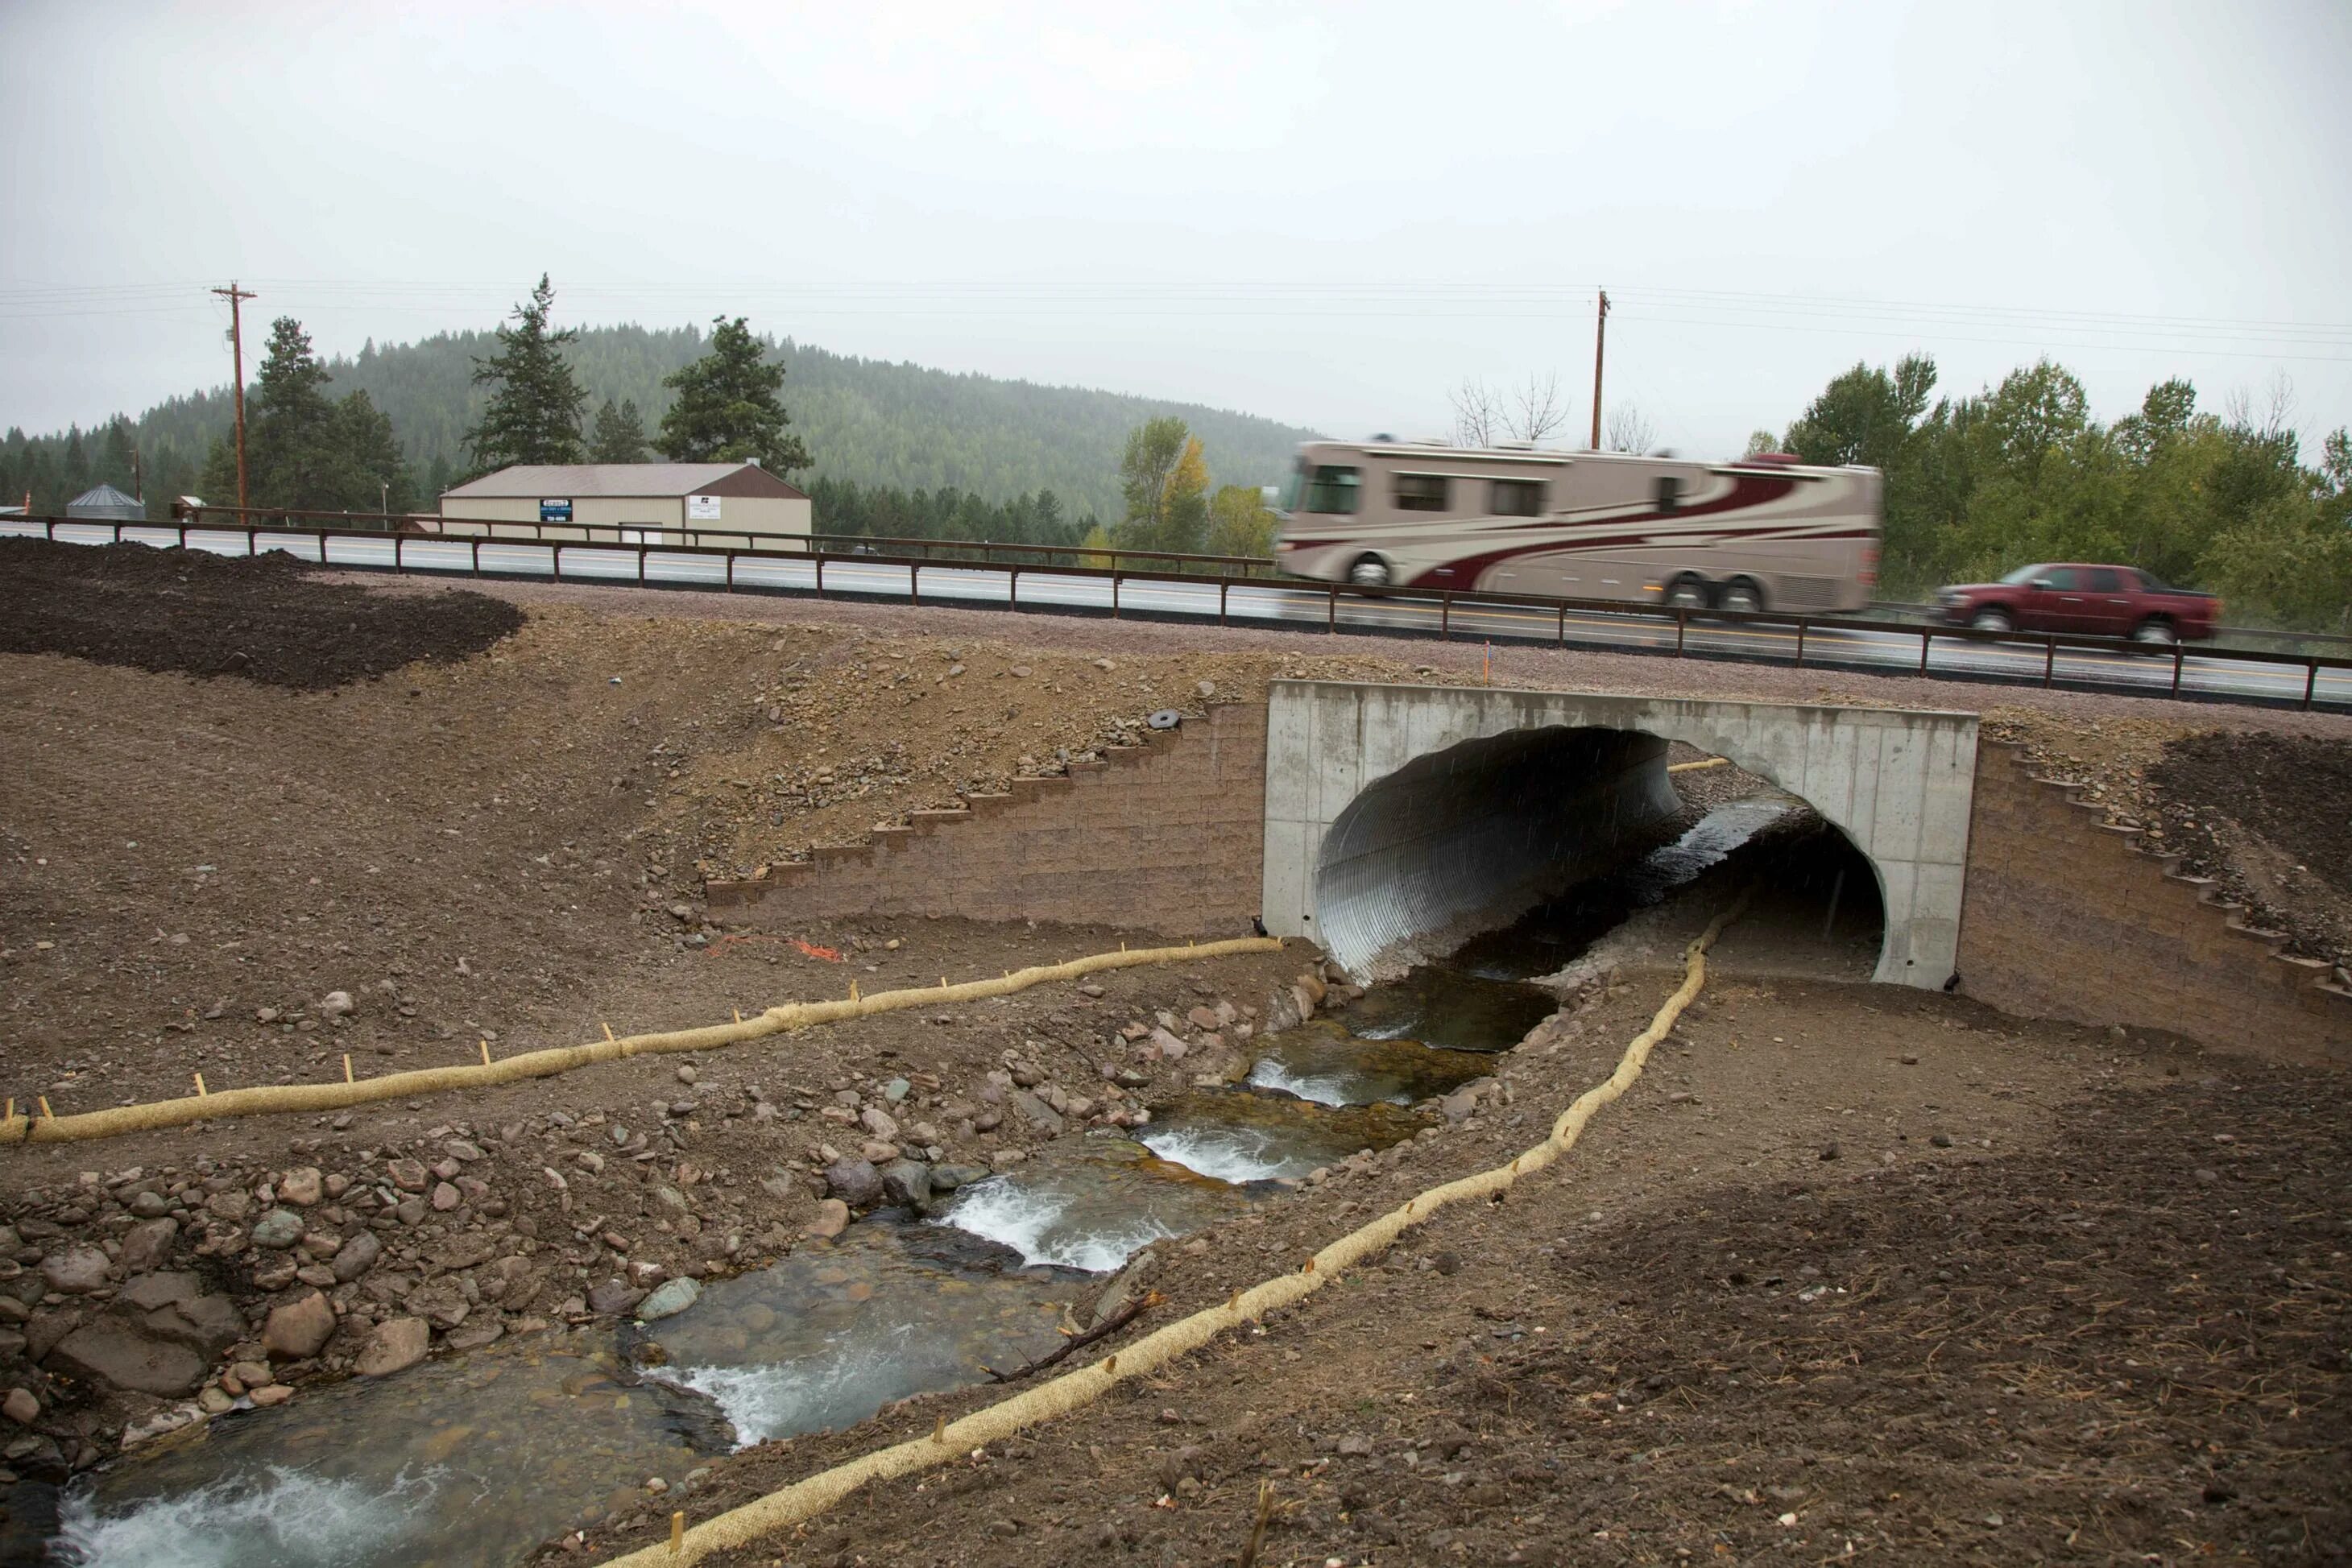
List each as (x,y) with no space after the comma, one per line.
(299,1329)
(114,1352)
(356,1256)
(148,1245)
(279,1229)
(1037,1113)
(166,1288)
(207,1325)
(855,1182)
(908,1182)
(947,1178)
(612,1296)
(395,1345)
(669,1300)
(75,1272)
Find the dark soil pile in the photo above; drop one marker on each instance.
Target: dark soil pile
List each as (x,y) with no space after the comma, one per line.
(2293,790)
(264,618)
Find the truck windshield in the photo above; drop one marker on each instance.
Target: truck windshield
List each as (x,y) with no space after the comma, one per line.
(1289,500)
(2025,574)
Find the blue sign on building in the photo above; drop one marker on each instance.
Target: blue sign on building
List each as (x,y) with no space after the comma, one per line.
(555,511)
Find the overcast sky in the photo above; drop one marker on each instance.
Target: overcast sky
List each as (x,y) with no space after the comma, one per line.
(1328,216)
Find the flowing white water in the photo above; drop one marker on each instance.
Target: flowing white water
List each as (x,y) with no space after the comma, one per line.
(1237,1154)
(1037,1222)
(1323,1091)
(286,1518)
(835,1389)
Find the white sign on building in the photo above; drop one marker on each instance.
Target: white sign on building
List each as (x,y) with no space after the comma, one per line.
(702,508)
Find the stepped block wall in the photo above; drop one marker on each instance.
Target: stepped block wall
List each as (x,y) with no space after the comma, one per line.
(1166,838)
(2068,918)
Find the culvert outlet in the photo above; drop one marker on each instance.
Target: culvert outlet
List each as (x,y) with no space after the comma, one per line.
(1475,834)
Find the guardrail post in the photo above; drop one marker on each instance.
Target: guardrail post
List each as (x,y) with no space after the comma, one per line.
(478,556)
(730,571)
(1563,625)
(2310,682)
(397,564)
(1681,629)
(1446,617)
(2049,659)
(1222,586)
(2176,669)
(555,562)
(1924,633)
(1800,644)
(915,583)
(1331,612)
(1012,588)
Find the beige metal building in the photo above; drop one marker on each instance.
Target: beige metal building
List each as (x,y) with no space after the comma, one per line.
(655,503)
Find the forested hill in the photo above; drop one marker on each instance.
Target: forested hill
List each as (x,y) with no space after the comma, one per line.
(866,422)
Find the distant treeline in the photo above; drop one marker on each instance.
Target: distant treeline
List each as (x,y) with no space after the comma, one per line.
(866,423)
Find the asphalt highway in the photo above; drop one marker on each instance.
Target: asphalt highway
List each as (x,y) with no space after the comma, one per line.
(1894,649)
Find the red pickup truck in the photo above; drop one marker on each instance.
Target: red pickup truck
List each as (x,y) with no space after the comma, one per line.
(2085,600)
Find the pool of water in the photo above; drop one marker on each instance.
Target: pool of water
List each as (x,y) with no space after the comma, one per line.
(468,1460)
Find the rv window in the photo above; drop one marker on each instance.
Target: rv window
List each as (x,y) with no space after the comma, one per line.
(1669,493)
(1519,498)
(1333,490)
(1421,492)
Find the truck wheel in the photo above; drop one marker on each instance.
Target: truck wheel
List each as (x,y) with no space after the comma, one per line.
(2157,630)
(1688,591)
(1742,596)
(1991,620)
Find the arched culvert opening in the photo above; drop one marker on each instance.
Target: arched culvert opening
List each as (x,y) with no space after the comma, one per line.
(1514,854)
(1468,838)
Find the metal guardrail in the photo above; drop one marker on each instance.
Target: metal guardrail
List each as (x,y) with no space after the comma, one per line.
(1445,601)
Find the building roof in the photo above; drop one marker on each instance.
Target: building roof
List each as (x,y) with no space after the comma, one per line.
(106,501)
(628,480)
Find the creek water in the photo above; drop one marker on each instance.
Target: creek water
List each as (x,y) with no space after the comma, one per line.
(476,1458)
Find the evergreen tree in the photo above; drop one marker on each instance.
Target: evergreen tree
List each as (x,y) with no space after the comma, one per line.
(290,426)
(727,410)
(533,415)
(619,436)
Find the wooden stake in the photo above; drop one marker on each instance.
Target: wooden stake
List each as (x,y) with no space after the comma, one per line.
(200,1085)
(738,1015)
(678,1532)
(1248,1558)
(939,1430)
(347,1067)
(608,1030)
(853,990)
(486,1051)
(46,1114)
(1110,1364)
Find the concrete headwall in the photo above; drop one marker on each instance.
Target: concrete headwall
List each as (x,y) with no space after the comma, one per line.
(2069,918)
(1896,781)
(1160,838)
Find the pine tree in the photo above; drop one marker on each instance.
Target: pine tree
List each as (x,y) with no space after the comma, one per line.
(534,411)
(290,435)
(619,436)
(727,410)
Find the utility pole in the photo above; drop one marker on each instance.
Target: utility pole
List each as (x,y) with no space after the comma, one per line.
(235,296)
(1599,335)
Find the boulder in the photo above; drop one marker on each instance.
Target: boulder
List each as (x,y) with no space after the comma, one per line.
(164,1288)
(1037,1113)
(908,1182)
(612,1296)
(832,1219)
(947,1178)
(148,1245)
(301,1186)
(442,1302)
(396,1345)
(278,1229)
(75,1272)
(207,1325)
(114,1352)
(879,1123)
(408,1176)
(356,1256)
(299,1329)
(855,1182)
(668,1301)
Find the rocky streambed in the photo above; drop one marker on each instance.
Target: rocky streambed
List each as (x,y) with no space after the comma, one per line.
(916,1274)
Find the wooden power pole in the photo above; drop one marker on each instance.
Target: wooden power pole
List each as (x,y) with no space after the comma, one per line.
(236,295)
(1600,336)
